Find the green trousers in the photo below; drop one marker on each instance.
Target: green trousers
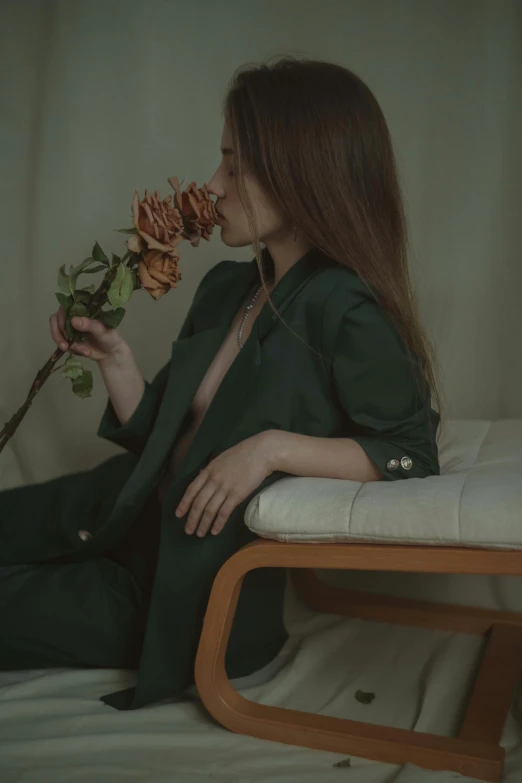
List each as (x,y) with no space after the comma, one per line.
(90,613)
(128,604)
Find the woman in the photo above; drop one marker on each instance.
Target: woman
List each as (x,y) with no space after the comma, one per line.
(113,566)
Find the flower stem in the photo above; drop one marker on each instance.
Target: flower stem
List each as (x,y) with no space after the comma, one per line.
(9,429)
(60,367)
(41,377)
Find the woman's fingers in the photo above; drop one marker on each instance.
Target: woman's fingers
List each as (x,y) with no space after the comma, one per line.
(79,348)
(61,324)
(61,319)
(91,325)
(98,342)
(58,336)
(83,324)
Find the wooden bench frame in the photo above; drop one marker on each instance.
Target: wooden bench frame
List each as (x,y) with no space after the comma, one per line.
(475,752)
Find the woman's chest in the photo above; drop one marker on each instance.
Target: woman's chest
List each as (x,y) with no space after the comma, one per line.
(225,357)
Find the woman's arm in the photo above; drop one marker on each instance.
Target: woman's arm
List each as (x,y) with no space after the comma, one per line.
(124,383)
(306,455)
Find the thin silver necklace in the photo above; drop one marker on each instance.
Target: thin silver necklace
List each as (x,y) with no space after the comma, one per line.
(247,310)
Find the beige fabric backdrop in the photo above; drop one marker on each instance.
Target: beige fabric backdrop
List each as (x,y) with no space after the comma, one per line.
(101,97)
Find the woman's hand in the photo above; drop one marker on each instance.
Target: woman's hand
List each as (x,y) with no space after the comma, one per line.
(225,483)
(102,342)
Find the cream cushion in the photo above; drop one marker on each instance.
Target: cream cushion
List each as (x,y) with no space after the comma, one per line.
(476,501)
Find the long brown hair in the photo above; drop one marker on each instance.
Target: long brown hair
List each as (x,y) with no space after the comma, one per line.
(313,136)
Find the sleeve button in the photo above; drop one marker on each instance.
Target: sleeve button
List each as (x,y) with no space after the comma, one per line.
(406,463)
(393,464)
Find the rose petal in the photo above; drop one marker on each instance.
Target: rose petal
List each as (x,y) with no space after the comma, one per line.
(134,243)
(174,182)
(154,244)
(158,275)
(136,209)
(143,273)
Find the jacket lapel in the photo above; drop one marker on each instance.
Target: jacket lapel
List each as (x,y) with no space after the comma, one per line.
(232,394)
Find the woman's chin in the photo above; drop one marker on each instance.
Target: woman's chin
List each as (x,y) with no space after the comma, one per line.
(228,238)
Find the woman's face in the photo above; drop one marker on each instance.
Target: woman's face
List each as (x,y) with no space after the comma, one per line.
(235,231)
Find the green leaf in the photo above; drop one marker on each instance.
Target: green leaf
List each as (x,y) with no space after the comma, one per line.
(364,698)
(135,279)
(127,286)
(111,318)
(69,331)
(76,271)
(127,230)
(116,259)
(82,296)
(82,386)
(99,255)
(94,269)
(73,368)
(121,288)
(63,281)
(78,309)
(81,378)
(114,289)
(65,301)
(88,289)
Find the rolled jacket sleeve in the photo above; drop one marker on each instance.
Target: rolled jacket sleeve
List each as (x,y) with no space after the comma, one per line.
(374,381)
(133,435)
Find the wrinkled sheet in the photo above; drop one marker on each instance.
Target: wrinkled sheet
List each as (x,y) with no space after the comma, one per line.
(54,729)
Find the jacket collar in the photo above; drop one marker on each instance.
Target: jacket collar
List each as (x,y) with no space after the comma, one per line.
(286,289)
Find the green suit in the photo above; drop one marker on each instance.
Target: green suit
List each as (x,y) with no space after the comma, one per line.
(356,382)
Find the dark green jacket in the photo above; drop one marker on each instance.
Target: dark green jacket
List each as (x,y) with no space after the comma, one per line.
(355,381)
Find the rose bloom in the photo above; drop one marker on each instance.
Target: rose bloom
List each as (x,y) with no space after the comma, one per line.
(197,209)
(158,222)
(158,272)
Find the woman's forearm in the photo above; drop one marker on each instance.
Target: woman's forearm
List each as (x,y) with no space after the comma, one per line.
(124,383)
(306,455)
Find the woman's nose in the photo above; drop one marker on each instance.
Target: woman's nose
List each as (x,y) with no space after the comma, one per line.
(214,188)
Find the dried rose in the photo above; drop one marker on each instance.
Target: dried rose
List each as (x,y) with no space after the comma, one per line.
(197,209)
(158,223)
(158,272)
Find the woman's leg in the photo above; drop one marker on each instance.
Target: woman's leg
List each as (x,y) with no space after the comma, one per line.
(85,614)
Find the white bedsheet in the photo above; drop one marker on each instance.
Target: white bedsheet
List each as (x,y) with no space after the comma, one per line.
(54,729)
